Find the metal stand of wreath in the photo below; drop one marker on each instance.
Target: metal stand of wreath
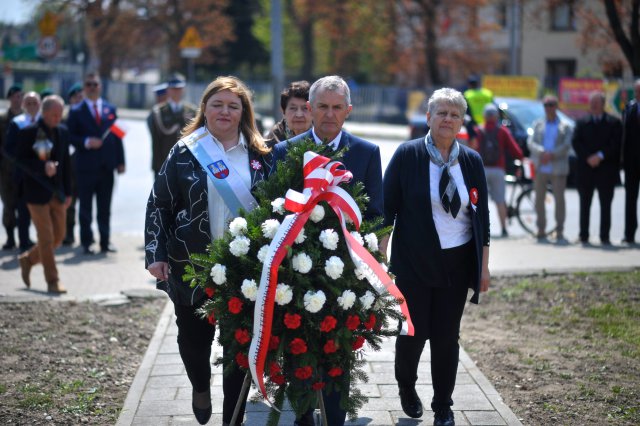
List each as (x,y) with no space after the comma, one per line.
(245,389)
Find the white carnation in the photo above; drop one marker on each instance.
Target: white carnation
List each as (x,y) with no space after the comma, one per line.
(284,294)
(360,273)
(278,205)
(239,246)
(238,226)
(301,237)
(347,299)
(262,253)
(329,239)
(372,241)
(219,274)
(367,300)
(356,235)
(269,228)
(313,302)
(317,214)
(334,267)
(249,289)
(301,262)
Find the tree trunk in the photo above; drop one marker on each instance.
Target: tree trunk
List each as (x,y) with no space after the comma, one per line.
(630,46)
(431,50)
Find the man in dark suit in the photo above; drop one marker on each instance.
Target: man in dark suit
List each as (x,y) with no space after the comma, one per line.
(99,153)
(43,150)
(167,119)
(596,141)
(330,105)
(631,164)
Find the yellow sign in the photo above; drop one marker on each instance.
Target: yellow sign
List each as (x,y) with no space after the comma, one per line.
(191,39)
(48,24)
(512,86)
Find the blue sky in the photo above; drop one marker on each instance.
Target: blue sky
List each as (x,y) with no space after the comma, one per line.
(16,11)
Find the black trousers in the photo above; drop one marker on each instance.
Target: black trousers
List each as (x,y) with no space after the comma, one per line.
(444,307)
(195,336)
(587,184)
(100,184)
(631,186)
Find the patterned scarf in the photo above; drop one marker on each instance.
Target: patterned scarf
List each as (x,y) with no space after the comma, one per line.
(449,196)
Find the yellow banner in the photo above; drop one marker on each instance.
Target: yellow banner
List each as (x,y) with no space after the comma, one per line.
(512,86)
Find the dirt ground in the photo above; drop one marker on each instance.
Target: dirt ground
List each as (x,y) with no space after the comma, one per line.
(561,349)
(64,363)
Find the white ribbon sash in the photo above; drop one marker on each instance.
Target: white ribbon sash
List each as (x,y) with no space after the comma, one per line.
(224,177)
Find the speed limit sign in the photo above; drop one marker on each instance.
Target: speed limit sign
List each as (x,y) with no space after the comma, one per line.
(48,47)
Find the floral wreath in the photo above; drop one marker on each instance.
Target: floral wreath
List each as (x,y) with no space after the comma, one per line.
(325,307)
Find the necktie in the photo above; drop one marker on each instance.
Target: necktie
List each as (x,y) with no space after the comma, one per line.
(97,113)
(450,202)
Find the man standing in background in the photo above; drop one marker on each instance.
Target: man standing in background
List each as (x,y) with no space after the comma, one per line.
(98,153)
(477,97)
(7,187)
(167,119)
(75,96)
(631,164)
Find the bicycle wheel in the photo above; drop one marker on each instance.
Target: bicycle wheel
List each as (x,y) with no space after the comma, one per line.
(526,211)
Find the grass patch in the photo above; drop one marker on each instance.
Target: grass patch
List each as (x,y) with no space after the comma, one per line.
(33,397)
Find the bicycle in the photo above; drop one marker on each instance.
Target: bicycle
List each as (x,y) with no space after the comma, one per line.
(521,203)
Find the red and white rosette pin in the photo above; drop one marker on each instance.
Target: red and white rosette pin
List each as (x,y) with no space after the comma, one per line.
(473,198)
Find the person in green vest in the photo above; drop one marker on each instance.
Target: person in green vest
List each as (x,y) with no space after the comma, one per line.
(477,97)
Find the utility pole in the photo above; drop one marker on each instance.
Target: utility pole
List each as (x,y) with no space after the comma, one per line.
(514,38)
(277,61)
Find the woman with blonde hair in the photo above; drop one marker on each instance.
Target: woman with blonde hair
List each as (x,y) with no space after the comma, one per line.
(207,176)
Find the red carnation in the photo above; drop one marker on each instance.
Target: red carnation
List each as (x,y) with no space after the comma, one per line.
(235,305)
(317,386)
(371,322)
(330,347)
(303,373)
(212,319)
(358,343)
(292,321)
(242,336)
(242,360)
(278,379)
(298,346)
(353,321)
(210,292)
(274,368)
(274,342)
(328,324)
(335,372)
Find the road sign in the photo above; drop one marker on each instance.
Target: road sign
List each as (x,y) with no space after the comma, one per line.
(48,47)
(191,39)
(48,24)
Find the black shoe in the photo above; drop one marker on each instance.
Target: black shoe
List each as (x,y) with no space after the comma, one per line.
(410,401)
(305,420)
(443,417)
(108,249)
(88,251)
(67,241)
(202,414)
(26,246)
(605,243)
(9,245)
(628,241)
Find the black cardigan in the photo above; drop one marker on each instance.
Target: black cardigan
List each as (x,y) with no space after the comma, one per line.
(416,255)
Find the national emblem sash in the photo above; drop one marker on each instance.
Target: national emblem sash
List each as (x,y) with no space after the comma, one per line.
(225,179)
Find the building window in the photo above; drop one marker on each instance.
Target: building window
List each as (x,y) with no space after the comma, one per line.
(501,13)
(562,16)
(557,69)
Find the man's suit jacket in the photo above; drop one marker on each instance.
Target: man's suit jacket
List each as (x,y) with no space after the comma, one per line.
(631,142)
(589,138)
(416,255)
(362,159)
(82,124)
(165,126)
(535,143)
(38,187)
(177,217)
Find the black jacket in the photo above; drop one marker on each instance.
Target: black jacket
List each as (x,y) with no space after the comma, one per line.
(416,255)
(177,218)
(589,138)
(38,188)
(631,141)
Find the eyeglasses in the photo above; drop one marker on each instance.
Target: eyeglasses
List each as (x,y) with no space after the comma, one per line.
(91,83)
(550,104)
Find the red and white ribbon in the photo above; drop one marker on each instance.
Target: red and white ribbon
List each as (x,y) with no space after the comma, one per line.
(321,180)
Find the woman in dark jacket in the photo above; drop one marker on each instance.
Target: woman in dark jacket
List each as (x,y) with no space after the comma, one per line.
(190,205)
(435,196)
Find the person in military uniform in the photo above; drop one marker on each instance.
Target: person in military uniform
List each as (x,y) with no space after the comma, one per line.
(167,119)
(7,186)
